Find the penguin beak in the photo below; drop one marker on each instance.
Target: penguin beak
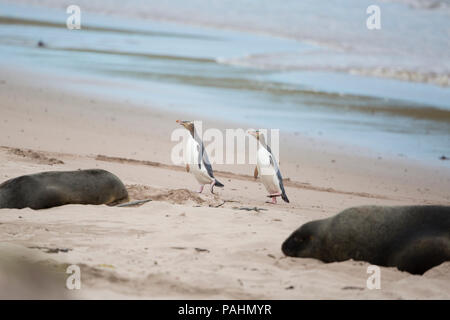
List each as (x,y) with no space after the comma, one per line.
(184,123)
(252,133)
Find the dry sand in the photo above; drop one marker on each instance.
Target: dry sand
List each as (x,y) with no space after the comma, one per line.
(181,244)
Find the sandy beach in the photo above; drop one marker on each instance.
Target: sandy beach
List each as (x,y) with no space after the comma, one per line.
(183,245)
(363,114)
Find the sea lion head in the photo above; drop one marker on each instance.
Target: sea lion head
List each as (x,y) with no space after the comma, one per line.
(303,242)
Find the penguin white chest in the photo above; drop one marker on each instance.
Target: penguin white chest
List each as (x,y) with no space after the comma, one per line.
(267,171)
(193,159)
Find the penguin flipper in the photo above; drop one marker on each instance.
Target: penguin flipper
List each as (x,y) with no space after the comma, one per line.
(205,162)
(280,179)
(218,184)
(284,196)
(283,193)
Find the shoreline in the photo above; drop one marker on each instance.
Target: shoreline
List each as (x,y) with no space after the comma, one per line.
(303,159)
(60,84)
(407,74)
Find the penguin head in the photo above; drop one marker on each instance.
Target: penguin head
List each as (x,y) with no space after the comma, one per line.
(189,125)
(256,133)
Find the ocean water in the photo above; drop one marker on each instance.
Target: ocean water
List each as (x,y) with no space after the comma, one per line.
(412,44)
(301,66)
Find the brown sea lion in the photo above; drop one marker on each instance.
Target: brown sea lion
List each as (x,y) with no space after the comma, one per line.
(57,188)
(411,238)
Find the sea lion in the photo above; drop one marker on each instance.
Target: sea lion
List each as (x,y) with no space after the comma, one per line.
(411,238)
(57,188)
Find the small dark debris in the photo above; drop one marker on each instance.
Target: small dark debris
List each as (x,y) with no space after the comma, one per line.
(41,44)
(178,248)
(256,209)
(444,158)
(56,250)
(52,250)
(289,288)
(352,288)
(201,250)
(217,206)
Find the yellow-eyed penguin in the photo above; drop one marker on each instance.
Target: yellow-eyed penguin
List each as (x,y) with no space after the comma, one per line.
(267,169)
(197,159)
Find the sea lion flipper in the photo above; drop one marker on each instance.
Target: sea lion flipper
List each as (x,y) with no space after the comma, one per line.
(421,254)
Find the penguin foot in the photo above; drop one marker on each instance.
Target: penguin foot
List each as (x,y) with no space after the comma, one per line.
(273,201)
(274,198)
(200,190)
(211,186)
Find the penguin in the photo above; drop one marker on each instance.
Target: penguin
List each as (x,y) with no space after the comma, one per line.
(267,169)
(198,163)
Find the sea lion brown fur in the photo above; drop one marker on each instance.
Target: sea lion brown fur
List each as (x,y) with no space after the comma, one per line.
(57,188)
(411,238)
